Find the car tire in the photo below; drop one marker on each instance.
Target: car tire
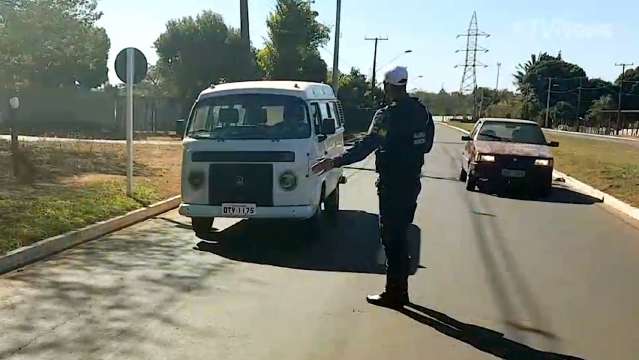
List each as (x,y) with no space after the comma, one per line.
(463,175)
(202,226)
(471,182)
(331,203)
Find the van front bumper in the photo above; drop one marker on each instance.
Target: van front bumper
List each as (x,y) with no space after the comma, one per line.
(262,212)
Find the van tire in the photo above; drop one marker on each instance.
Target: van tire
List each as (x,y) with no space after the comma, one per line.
(331,203)
(463,175)
(202,226)
(471,182)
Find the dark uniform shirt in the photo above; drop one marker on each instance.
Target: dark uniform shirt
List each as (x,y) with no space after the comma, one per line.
(400,134)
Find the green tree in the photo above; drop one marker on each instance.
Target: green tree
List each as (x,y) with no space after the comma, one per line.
(52,43)
(630,89)
(593,90)
(596,115)
(563,112)
(532,81)
(443,103)
(292,50)
(358,100)
(197,52)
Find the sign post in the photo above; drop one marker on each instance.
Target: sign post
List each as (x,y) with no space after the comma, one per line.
(131,67)
(130,71)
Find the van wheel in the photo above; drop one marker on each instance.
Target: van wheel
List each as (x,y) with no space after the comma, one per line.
(331,204)
(313,224)
(471,182)
(202,226)
(463,175)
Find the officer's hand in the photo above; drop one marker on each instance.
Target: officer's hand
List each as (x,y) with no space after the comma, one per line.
(324,165)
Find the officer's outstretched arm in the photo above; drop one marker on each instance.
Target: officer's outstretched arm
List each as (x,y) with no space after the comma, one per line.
(365,146)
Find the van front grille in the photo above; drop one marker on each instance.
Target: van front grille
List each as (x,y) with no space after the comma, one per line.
(241,184)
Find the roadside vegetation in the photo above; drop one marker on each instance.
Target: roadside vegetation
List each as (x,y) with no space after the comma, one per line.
(77,184)
(609,166)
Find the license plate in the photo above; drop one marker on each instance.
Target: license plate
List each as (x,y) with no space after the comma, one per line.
(513,173)
(239,210)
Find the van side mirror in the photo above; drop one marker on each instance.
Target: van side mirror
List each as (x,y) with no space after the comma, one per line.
(328,126)
(180,127)
(466,138)
(553,144)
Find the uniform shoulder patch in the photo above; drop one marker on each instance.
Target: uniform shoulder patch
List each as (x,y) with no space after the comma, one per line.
(379,124)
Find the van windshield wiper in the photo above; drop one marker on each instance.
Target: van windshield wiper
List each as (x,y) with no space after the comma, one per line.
(201,133)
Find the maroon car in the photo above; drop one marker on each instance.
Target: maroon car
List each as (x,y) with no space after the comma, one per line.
(505,153)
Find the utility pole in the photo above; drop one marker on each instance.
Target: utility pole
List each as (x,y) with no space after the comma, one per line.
(548,100)
(481,103)
(578,105)
(376,39)
(469,77)
(623,73)
(498,71)
(336,50)
(244,24)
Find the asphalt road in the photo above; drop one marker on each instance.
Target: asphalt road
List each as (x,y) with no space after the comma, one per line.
(497,277)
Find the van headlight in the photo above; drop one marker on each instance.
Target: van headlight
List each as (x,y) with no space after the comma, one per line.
(543,162)
(196,178)
(486,158)
(288,181)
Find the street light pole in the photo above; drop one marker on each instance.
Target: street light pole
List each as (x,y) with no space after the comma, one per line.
(336,50)
(14,105)
(130,73)
(498,71)
(548,100)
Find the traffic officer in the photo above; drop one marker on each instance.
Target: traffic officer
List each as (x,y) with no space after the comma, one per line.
(400,134)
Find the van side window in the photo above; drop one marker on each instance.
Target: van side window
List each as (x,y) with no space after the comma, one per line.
(337,110)
(329,113)
(316,114)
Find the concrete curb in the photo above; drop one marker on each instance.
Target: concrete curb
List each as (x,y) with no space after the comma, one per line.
(607,199)
(45,248)
(594,136)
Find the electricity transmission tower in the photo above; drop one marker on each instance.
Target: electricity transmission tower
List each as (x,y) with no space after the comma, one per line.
(471,63)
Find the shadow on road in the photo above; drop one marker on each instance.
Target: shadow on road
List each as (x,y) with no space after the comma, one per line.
(559,195)
(101,296)
(433,177)
(486,340)
(349,244)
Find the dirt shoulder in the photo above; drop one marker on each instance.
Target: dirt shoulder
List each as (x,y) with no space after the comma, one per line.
(72,185)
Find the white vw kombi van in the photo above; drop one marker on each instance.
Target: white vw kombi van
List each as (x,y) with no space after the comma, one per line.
(249,148)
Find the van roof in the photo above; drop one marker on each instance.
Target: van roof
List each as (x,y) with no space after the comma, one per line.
(305,90)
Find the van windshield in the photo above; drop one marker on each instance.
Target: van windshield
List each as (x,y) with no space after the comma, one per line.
(250,116)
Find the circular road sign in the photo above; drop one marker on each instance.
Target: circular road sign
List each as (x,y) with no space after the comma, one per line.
(141,65)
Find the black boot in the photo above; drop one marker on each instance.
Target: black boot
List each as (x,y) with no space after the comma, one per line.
(395,296)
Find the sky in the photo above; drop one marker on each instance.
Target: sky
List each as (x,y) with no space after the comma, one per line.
(594,34)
